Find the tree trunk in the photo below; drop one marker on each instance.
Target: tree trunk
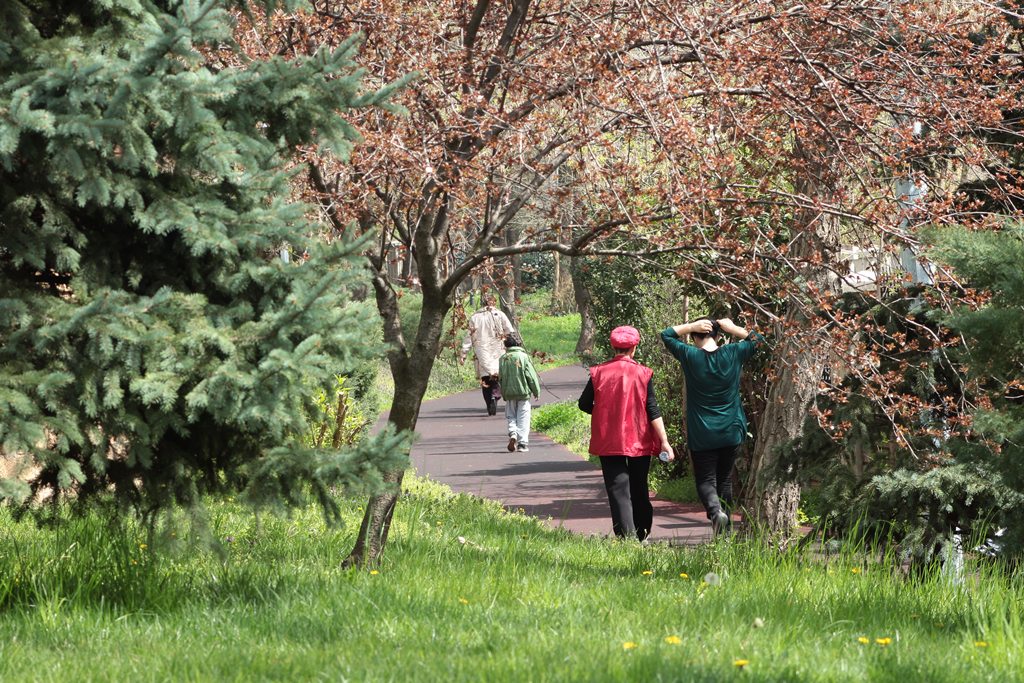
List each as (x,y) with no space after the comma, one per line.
(507,297)
(562,298)
(585,306)
(775,502)
(408,267)
(411,373)
(556,284)
(799,357)
(510,277)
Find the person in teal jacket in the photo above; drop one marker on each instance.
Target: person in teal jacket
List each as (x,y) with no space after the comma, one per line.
(519,381)
(715,422)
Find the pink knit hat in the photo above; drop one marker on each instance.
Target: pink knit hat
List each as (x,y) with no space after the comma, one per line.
(625,337)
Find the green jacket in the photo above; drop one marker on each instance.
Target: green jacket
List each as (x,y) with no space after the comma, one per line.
(516,375)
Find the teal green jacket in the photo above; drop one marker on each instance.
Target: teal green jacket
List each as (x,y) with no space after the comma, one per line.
(714,414)
(516,375)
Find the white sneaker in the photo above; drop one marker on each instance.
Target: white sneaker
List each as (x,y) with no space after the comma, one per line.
(720,523)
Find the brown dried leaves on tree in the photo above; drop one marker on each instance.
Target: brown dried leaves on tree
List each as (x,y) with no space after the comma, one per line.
(756,142)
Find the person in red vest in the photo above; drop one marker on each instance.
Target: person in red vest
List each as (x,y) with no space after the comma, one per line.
(626,429)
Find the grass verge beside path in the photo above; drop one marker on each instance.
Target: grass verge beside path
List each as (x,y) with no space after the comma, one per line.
(468,592)
(566,424)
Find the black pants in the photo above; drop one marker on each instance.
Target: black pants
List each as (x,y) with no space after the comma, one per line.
(487,385)
(712,471)
(625,479)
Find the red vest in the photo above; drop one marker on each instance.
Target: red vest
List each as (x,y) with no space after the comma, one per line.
(619,425)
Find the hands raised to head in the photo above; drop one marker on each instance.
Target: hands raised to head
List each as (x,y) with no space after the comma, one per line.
(701,327)
(731,328)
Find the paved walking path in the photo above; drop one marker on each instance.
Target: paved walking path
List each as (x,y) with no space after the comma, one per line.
(461,446)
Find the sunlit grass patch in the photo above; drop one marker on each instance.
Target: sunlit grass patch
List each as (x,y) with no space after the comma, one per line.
(467,592)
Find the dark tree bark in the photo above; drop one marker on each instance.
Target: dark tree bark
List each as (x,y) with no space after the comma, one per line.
(585,306)
(798,359)
(410,368)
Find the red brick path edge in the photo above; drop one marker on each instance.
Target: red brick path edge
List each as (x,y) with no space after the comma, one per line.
(461,446)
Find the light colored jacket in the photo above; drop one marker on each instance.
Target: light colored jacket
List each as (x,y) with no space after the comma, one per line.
(488,328)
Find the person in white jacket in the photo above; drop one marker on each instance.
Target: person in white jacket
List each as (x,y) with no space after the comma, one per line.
(488,328)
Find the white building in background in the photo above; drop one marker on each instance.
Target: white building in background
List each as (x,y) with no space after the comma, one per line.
(865,266)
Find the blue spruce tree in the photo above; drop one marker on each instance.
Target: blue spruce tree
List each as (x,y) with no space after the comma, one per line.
(157,343)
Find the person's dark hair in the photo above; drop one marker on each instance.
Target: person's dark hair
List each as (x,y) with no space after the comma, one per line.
(716,329)
(512,339)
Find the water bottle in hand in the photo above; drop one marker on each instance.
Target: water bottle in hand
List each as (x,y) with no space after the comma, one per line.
(663,456)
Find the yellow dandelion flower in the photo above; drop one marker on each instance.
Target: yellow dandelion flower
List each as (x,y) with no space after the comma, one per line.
(855,570)
(374,572)
(980,643)
(863,640)
(142,546)
(683,575)
(673,640)
(464,601)
(647,572)
(740,663)
(883,641)
(628,645)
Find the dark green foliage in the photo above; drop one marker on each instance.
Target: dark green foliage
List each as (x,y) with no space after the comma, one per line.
(538,270)
(946,475)
(154,344)
(648,297)
(995,360)
(863,477)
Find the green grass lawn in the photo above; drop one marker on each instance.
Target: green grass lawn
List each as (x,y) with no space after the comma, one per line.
(468,592)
